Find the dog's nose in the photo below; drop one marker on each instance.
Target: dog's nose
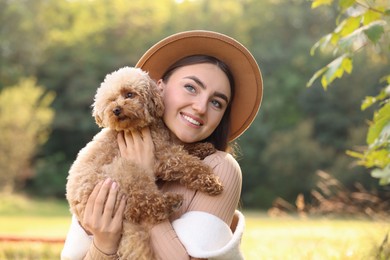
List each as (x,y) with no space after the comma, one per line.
(116,111)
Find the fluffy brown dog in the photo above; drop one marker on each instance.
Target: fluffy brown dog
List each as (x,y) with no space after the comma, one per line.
(128,99)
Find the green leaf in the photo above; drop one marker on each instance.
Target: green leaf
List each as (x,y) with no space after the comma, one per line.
(356,36)
(322,43)
(374,33)
(369,100)
(316,76)
(371,16)
(381,120)
(382,174)
(336,69)
(355,154)
(317,3)
(344,4)
(347,65)
(349,25)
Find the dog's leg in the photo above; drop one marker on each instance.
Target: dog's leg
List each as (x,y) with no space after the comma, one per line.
(151,206)
(135,244)
(175,164)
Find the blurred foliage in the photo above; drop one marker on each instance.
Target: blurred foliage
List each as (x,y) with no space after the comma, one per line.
(69,47)
(25,117)
(362,26)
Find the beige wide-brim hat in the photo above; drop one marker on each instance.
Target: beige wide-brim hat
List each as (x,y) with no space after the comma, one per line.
(246,72)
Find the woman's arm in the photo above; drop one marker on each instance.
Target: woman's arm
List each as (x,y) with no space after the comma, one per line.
(200,214)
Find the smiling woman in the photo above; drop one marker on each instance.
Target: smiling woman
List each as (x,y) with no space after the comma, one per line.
(211,88)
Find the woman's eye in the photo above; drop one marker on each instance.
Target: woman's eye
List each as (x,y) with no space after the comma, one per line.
(189,88)
(216,103)
(129,95)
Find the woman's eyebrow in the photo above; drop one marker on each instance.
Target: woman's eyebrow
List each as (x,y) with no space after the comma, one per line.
(202,85)
(222,96)
(197,80)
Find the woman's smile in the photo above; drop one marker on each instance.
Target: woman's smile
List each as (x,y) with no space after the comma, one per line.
(192,120)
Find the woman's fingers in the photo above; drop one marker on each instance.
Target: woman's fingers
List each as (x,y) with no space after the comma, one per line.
(91,200)
(101,197)
(111,201)
(147,137)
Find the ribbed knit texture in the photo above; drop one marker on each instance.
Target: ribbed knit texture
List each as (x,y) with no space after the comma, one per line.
(164,240)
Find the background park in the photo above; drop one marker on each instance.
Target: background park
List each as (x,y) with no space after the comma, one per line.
(316,163)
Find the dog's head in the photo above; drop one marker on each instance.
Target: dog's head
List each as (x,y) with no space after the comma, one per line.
(127,99)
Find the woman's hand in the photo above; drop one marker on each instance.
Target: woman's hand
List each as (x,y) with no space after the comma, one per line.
(138,147)
(101,219)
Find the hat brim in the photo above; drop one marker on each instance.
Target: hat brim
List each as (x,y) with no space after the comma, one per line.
(246,72)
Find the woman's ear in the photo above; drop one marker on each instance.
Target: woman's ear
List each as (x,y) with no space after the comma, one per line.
(160,85)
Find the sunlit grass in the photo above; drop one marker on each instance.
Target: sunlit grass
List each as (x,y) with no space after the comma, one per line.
(22,217)
(294,238)
(20,205)
(264,238)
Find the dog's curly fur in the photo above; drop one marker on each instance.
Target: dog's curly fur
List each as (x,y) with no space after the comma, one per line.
(128,99)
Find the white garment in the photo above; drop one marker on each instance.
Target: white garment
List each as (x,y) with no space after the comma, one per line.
(202,234)
(207,236)
(77,242)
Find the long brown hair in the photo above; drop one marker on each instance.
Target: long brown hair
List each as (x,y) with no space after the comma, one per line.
(219,138)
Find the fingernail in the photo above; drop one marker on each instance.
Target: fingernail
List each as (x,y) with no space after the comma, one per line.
(107,181)
(113,185)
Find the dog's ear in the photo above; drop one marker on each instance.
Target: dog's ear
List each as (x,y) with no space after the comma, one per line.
(98,119)
(156,106)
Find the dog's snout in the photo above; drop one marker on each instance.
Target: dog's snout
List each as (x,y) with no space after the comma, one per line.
(116,111)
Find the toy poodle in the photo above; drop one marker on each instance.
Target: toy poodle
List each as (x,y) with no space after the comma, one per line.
(128,99)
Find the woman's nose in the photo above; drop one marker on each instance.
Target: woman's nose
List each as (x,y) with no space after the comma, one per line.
(200,105)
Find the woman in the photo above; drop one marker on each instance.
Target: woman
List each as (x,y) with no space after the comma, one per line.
(212,90)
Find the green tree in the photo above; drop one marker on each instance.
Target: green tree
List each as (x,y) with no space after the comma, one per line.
(25,117)
(362,25)
(22,39)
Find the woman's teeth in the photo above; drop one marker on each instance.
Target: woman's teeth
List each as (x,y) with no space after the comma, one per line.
(191,120)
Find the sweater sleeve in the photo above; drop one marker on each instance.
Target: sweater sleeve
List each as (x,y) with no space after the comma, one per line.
(165,240)
(224,205)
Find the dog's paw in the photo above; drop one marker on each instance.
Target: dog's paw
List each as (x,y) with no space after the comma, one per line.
(173,201)
(207,184)
(200,150)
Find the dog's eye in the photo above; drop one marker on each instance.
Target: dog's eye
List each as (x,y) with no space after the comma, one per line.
(129,95)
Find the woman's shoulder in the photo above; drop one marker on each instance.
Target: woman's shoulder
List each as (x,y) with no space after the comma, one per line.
(223,163)
(220,157)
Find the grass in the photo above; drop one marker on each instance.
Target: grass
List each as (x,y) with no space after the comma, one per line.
(295,238)
(32,218)
(264,237)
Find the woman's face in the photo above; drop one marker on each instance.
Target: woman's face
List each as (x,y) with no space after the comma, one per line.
(195,99)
